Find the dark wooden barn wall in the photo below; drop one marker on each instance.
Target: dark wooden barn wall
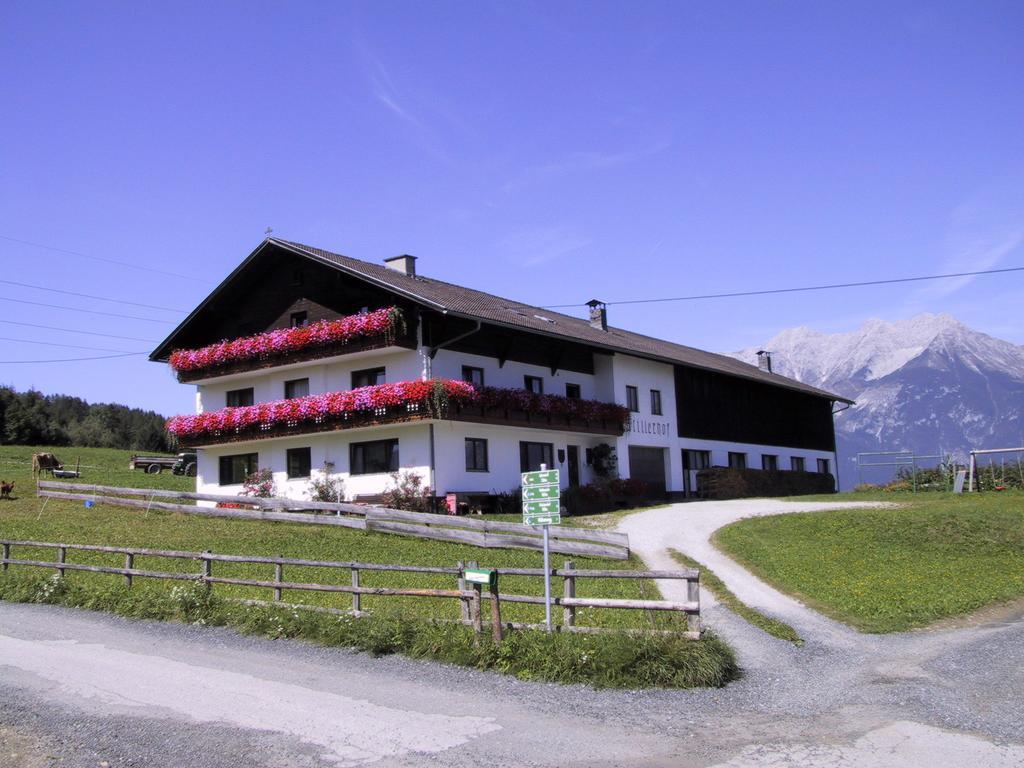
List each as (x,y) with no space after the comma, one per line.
(713,406)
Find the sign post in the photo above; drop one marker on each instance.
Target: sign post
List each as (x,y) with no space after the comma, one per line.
(542,506)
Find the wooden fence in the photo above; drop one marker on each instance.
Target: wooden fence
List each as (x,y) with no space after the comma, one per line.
(478,533)
(469,597)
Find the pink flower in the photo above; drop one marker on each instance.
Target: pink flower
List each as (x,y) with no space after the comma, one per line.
(286,340)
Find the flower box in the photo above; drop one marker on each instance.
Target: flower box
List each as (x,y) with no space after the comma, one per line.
(326,338)
(394,403)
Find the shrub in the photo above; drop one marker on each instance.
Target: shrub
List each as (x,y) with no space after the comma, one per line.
(408,493)
(260,484)
(733,483)
(326,488)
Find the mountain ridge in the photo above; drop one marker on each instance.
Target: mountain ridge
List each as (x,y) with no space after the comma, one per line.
(928,384)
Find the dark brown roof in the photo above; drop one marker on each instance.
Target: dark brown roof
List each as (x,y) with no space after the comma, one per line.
(478,305)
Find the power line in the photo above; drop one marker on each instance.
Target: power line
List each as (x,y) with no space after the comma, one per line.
(88,311)
(91,296)
(128,264)
(804,288)
(68,346)
(70,359)
(72,330)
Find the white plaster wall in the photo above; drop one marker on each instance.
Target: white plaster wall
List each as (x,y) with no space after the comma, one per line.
(413,454)
(503,455)
(448,365)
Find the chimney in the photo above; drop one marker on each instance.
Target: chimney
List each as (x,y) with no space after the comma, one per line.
(405,264)
(764,360)
(598,314)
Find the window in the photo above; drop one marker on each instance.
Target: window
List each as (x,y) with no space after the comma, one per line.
(372,457)
(298,460)
(823,466)
(236,398)
(474,376)
(696,459)
(632,398)
(234,469)
(533,384)
(296,388)
(299,319)
(656,402)
(532,455)
(476,454)
(367,378)
(737,460)
(769,461)
(572,391)
(796,463)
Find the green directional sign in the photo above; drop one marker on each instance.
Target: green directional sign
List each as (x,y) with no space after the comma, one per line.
(540,492)
(542,477)
(549,507)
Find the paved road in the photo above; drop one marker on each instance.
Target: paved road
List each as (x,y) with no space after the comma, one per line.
(84,689)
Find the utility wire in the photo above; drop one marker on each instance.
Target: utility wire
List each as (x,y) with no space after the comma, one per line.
(87,311)
(804,288)
(70,359)
(68,346)
(91,296)
(129,264)
(72,330)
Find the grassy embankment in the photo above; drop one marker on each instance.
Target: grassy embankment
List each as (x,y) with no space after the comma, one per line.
(597,660)
(724,595)
(934,557)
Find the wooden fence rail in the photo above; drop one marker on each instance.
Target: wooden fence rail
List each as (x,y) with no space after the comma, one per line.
(478,533)
(469,597)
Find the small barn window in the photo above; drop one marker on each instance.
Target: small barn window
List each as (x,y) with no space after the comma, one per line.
(367,378)
(737,460)
(632,398)
(572,391)
(296,388)
(234,469)
(796,463)
(823,467)
(299,462)
(769,462)
(299,319)
(533,384)
(476,454)
(238,398)
(656,402)
(373,457)
(473,375)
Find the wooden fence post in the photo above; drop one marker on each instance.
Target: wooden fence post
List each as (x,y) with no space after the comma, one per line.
(693,593)
(278,577)
(7,554)
(129,564)
(496,634)
(207,568)
(461,585)
(569,590)
(357,601)
(476,612)
(62,557)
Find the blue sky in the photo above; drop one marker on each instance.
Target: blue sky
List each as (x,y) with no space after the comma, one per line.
(551,152)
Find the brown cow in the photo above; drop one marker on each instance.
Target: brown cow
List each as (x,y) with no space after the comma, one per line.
(6,488)
(44,462)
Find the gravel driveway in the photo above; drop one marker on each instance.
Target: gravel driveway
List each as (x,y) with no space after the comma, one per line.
(84,689)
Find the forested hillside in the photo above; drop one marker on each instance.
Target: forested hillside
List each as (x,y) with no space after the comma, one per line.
(31,418)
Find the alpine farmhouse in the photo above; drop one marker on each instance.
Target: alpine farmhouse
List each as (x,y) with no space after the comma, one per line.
(311,363)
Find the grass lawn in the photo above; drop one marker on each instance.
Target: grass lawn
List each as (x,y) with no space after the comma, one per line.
(936,556)
(27,518)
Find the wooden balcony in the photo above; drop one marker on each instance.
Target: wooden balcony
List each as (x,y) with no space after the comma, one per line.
(405,413)
(308,354)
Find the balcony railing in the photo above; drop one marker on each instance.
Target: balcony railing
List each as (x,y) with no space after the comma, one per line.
(327,338)
(394,404)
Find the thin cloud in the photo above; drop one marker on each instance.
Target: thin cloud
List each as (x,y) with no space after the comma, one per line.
(578,162)
(530,247)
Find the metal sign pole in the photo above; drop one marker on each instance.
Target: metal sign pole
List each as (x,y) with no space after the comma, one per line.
(547,580)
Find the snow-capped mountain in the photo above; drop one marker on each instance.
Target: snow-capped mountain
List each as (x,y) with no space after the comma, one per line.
(926,384)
